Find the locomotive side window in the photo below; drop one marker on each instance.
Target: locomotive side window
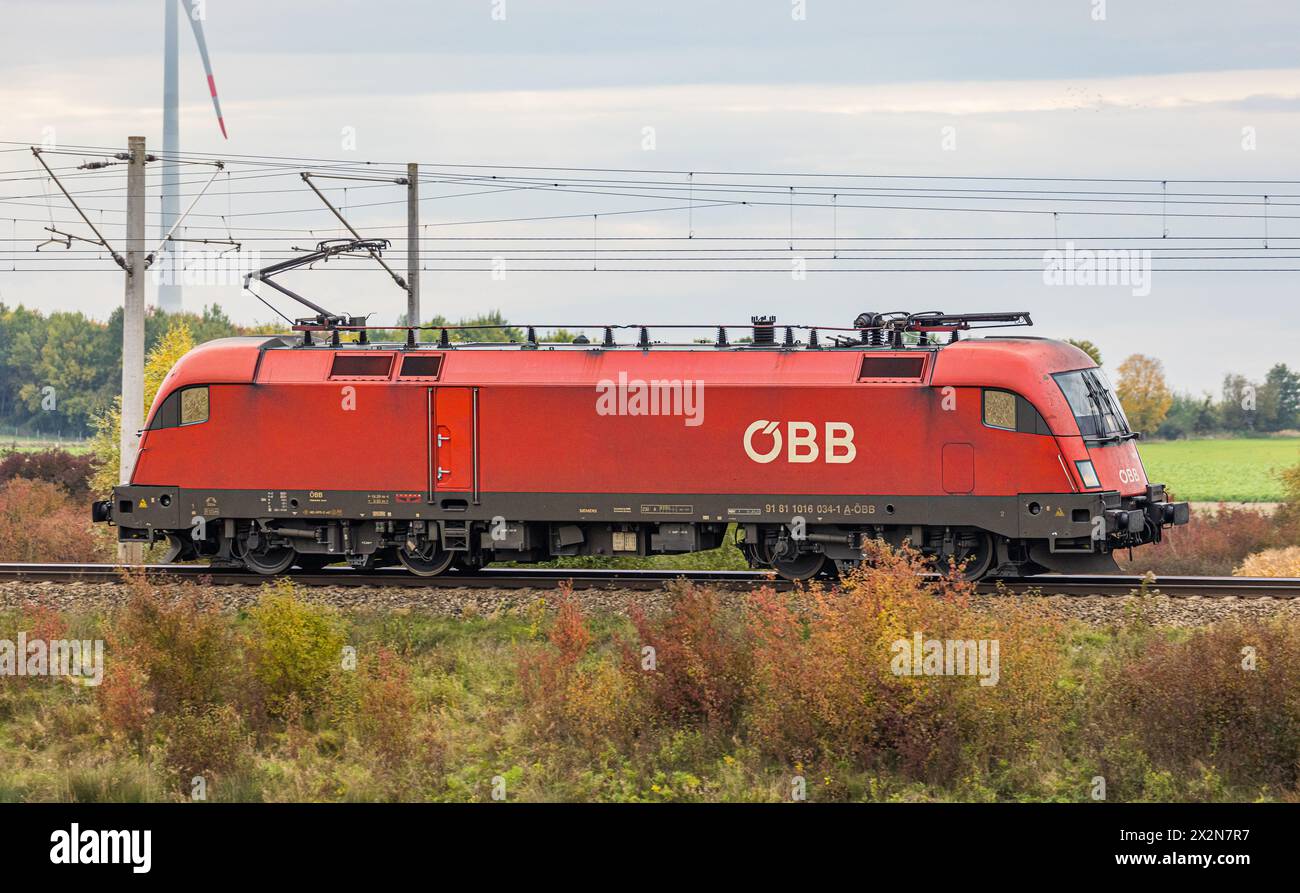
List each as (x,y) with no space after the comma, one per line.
(1012,412)
(361,365)
(187,406)
(1000,409)
(194,405)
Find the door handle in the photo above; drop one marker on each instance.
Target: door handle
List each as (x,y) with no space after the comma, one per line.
(442,437)
(442,471)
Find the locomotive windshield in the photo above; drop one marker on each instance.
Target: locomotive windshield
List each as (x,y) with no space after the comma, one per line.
(1094,404)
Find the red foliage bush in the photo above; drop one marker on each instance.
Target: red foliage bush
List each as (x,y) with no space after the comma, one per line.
(574,693)
(186,650)
(124,698)
(1212,544)
(701,659)
(39,522)
(544,673)
(60,467)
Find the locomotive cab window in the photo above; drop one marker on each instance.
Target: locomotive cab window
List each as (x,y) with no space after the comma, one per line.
(186,406)
(1092,400)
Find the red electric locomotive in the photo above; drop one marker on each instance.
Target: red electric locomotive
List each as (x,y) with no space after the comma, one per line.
(1010,454)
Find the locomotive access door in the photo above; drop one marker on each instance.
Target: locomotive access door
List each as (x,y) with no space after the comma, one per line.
(453,442)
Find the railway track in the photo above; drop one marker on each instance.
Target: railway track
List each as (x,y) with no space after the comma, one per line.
(547,578)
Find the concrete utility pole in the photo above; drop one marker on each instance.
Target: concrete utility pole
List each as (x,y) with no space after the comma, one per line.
(413,244)
(133,328)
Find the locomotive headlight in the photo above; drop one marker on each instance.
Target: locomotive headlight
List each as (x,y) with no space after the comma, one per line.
(1088,474)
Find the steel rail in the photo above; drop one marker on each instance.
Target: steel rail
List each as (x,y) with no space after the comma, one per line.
(583,578)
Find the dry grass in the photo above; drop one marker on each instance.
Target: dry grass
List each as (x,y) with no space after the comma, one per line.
(1271,563)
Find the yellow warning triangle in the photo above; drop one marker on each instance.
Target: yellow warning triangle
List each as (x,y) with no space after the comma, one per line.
(1060,514)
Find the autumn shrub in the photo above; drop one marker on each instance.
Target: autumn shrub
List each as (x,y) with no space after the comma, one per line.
(40,522)
(42,621)
(699,667)
(1224,699)
(208,740)
(296,649)
(1287,516)
(1211,544)
(602,707)
(124,699)
(386,709)
(544,671)
(572,692)
(1271,563)
(70,472)
(36,621)
(186,650)
(829,686)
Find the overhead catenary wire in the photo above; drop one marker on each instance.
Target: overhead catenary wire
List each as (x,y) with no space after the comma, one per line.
(1211,219)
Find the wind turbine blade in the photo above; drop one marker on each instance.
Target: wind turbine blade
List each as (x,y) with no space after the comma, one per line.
(197,24)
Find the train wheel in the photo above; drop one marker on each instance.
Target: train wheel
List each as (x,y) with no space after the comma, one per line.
(978,553)
(428,561)
(801,567)
(268,562)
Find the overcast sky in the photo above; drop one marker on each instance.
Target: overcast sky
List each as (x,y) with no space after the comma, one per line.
(1154,91)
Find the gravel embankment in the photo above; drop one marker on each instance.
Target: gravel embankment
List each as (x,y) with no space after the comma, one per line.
(1097,610)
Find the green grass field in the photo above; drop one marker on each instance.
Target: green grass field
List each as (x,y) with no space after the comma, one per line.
(1236,470)
(26,444)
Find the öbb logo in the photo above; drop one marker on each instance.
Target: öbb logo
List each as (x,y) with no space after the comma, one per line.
(800,442)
